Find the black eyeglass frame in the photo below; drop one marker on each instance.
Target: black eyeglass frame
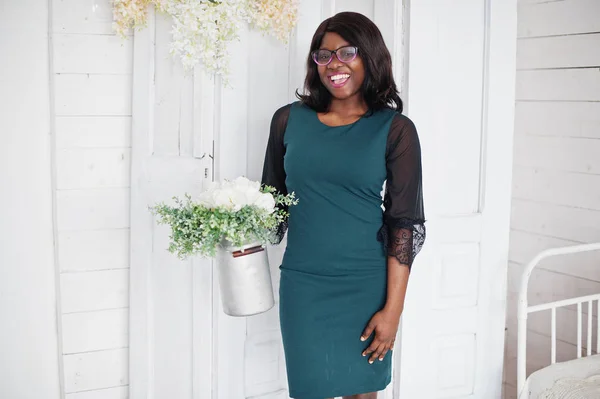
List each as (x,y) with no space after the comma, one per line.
(332,53)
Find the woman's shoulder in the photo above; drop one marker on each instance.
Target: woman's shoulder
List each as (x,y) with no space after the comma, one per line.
(284,111)
(293,104)
(402,130)
(399,121)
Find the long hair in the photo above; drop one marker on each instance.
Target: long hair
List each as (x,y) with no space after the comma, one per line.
(378,89)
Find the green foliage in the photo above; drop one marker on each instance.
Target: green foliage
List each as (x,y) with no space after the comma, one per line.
(199,230)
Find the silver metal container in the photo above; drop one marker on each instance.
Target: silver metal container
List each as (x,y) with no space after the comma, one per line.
(245,279)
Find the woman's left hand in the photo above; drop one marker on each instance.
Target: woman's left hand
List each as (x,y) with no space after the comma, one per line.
(385,325)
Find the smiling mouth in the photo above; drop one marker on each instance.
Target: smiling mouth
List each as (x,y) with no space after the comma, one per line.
(339,79)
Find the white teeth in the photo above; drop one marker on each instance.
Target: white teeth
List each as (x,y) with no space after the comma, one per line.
(340,76)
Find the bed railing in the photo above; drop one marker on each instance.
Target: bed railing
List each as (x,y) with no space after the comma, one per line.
(524,310)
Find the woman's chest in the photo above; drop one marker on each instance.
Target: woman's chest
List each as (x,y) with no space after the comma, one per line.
(341,156)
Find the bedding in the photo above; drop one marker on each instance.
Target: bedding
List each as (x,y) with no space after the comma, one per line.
(556,378)
(574,388)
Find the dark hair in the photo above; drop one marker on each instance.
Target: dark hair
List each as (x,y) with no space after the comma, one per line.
(378,89)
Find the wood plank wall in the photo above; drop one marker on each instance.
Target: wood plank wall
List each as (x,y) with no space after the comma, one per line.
(92,75)
(556,175)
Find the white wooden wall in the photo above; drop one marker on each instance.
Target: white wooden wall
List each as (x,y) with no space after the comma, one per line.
(556,189)
(29,367)
(91,77)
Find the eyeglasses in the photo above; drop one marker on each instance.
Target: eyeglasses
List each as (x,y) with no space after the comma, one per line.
(344,54)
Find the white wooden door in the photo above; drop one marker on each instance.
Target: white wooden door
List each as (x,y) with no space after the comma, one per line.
(461,96)
(264,374)
(187,131)
(182,344)
(458,89)
(171,334)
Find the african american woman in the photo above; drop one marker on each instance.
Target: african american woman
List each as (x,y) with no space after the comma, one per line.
(345,269)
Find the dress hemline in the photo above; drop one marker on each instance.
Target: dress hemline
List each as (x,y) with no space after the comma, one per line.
(344,392)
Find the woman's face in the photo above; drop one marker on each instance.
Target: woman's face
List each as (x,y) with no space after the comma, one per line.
(343,80)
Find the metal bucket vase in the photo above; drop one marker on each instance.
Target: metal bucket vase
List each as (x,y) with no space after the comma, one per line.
(245,279)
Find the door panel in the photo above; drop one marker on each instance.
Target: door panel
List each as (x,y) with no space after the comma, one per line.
(188,129)
(171,300)
(385,13)
(460,96)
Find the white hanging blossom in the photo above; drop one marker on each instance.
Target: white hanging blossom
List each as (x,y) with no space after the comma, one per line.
(236,194)
(238,211)
(203,29)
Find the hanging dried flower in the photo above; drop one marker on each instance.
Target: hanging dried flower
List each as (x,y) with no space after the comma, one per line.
(128,14)
(203,29)
(276,17)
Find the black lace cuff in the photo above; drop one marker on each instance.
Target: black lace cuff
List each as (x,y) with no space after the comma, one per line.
(402,238)
(281,229)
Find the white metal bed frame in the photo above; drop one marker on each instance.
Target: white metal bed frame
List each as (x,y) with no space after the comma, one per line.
(524,310)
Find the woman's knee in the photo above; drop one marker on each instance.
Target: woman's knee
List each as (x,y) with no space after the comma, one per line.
(369,395)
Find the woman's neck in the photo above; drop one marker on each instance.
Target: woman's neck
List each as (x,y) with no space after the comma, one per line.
(354,105)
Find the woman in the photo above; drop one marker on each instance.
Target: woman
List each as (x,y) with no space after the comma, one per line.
(346,265)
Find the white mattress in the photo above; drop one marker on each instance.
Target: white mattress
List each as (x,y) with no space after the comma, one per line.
(574,388)
(578,378)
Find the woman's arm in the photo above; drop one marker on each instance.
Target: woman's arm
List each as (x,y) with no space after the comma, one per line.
(385,322)
(273,170)
(402,232)
(396,287)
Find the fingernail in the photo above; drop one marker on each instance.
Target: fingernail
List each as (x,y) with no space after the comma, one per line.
(381,359)
(370,361)
(362,338)
(364,354)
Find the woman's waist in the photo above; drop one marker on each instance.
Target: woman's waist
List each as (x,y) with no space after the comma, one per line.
(333,256)
(334,227)
(340,266)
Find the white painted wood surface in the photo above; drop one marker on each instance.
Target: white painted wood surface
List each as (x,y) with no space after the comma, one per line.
(109,393)
(473,205)
(556,190)
(524,245)
(92,54)
(550,18)
(93,132)
(576,189)
(573,51)
(558,85)
(567,222)
(111,94)
(558,118)
(460,89)
(92,72)
(84,250)
(95,370)
(94,290)
(91,209)
(171,301)
(95,331)
(74,16)
(92,168)
(29,343)
(579,155)
(222,351)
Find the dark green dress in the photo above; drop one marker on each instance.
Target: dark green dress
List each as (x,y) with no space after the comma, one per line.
(334,270)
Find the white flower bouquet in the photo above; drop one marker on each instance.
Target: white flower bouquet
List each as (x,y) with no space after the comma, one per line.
(231,221)
(238,211)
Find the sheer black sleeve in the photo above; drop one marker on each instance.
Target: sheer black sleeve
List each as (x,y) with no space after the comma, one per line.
(273,170)
(403,229)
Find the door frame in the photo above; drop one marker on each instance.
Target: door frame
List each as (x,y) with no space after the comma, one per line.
(204,297)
